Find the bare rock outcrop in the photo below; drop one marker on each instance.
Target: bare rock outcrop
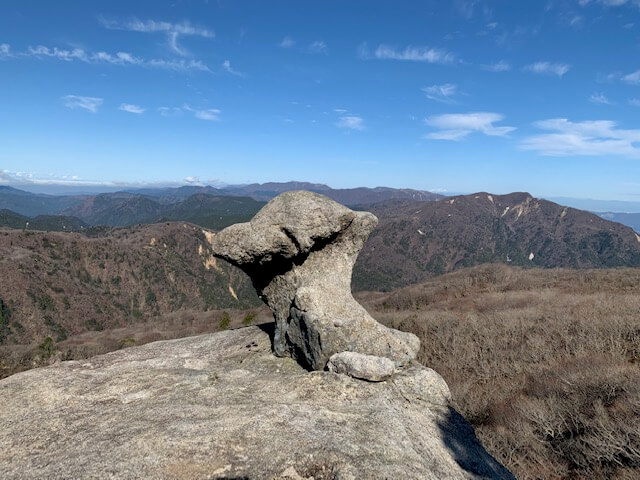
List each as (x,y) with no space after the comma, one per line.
(299,251)
(222,406)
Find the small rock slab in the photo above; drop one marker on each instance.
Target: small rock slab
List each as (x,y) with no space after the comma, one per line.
(359,365)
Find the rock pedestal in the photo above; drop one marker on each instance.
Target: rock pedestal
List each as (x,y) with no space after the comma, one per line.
(222,406)
(299,251)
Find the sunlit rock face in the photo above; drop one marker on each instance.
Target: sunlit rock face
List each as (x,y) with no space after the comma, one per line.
(299,251)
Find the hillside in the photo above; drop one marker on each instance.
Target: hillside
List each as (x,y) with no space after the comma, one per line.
(418,240)
(125,209)
(56,223)
(32,204)
(64,284)
(542,362)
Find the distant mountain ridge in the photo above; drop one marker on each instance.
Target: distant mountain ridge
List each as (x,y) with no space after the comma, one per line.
(215,207)
(418,240)
(54,223)
(630,219)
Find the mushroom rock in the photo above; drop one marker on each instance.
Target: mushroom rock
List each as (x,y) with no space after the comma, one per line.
(299,251)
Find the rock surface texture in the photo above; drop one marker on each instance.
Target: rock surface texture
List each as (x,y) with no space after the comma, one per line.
(222,406)
(299,251)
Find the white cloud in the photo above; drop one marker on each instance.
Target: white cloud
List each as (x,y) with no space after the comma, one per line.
(441,93)
(456,126)
(210,114)
(170,111)
(87,103)
(193,180)
(5,50)
(412,54)
(599,98)
(172,30)
(632,78)
(318,47)
(548,68)
(226,66)
(609,3)
(118,58)
(287,42)
(128,107)
(588,138)
(500,66)
(351,122)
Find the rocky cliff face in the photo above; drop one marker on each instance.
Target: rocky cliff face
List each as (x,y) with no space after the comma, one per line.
(222,406)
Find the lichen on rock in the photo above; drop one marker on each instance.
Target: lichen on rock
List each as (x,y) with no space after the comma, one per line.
(299,251)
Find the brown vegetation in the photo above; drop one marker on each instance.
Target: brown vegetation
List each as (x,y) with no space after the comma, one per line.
(16,358)
(544,363)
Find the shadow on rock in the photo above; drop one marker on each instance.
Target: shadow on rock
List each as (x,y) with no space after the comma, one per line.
(461,440)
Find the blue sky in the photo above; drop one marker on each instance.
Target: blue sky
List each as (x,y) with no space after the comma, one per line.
(460,96)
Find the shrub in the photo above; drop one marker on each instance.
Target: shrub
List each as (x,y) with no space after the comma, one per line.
(225,320)
(47,347)
(249,318)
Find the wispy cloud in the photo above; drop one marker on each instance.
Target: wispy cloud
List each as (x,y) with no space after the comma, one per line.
(351,122)
(634,102)
(118,58)
(131,108)
(170,111)
(466,7)
(500,66)
(86,103)
(609,3)
(441,93)
(410,54)
(173,31)
(226,66)
(5,50)
(457,126)
(318,47)
(599,98)
(210,114)
(287,42)
(588,138)
(548,68)
(632,78)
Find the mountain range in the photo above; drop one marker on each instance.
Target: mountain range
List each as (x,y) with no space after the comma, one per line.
(60,284)
(418,240)
(155,204)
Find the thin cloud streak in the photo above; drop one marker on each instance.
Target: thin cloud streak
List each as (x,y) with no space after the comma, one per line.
(318,47)
(173,31)
(90,104)
(409,54)
(128,107)
(599,98)
(351,122)
(226,66)
(548,68)
(118,59)
(441,93)
(457,126)
(287,42)
(588,138)
(500,66)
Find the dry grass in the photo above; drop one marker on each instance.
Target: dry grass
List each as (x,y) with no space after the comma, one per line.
(544,363)
(16,358)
